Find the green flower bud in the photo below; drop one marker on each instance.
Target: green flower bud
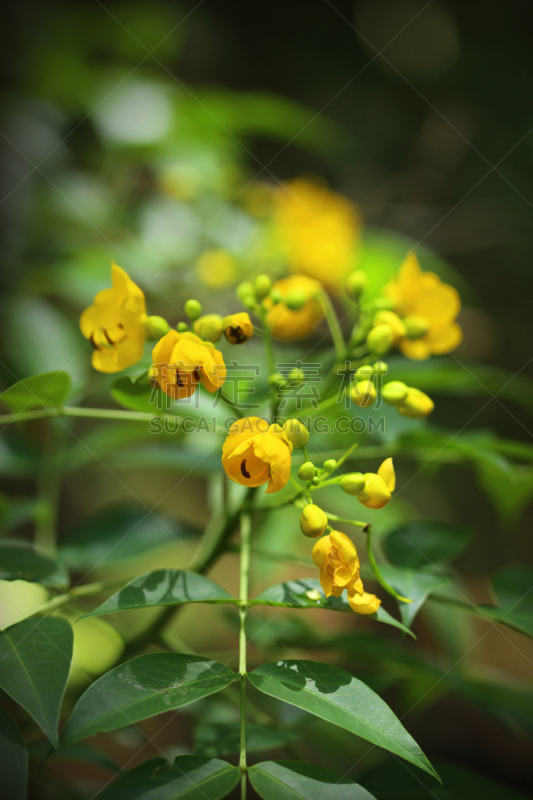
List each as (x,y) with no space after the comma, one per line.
(415,327)
(262,286)
(353,483)
(296,299)
(384,303)
(363,393)
(193,309)
(181,327)
(297,433)
(156,328)
(356,284)
(315,481)
(209,327)
(330,465)
(277,379)
(365,372)
(246,294)
(276,296)
(313,521)
(307,471)
(394,392)
(380,339)
(381,367)
(296,375)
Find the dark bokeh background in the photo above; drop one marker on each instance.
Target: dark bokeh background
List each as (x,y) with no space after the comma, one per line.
(419,112)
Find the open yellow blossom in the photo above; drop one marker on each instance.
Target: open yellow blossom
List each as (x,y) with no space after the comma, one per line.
(432,303)
(180,361)
(336,558)
(376,492)
(256,452)
(289,324)
(116,324)
(216,268)
(360,601)
(319,230)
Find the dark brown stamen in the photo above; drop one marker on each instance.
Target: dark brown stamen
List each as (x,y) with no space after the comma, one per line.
(91,339)
(196,375)
(178,379)
(236,335)
(244,471)
(108,337)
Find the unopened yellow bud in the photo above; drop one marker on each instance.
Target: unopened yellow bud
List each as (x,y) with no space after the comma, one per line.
(296,433)
(209,327)
(380,367)
(415,327)
(363,393)
(296,299)
(262,286)
(416,405)
(238,328)
(356,283)
(330,465)
(394,392)
(380,339)
(307,471)
(375,493)
(156,328)
(353,484)
(313,521)
(365,372)
(193,309)
(394,322)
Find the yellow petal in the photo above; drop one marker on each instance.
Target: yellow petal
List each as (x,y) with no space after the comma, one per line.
(320,551)
(386,472)
(344,545)
(364,603)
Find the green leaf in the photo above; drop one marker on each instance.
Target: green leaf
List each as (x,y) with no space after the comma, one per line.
(391,781)
(223,738)
(80,751)
(418,585)
(138,394)
(336,696)
(13,760)
(163,587)
(295,780)
(308,593)
(49,389)
(422,543)
(117,534)
(35,655)
(141,688)
(189,778)
(21,561)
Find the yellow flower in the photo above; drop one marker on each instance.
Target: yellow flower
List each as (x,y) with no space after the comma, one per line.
(238,328)
(256,452)
(182,360)
(424,296)
(336,557)
(360,601)
(376,492)
(116,324)
(319,230)
(216,268)
(287,324)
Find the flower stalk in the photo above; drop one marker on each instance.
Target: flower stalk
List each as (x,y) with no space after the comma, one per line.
(243,607)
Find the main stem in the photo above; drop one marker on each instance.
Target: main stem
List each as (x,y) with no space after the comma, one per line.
(243,598)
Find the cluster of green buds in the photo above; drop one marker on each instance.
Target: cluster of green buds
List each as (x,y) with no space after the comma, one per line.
(237,328)
(250,294)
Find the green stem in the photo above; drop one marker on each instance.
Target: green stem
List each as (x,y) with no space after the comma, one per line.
(355,522)
(48,488)
(92,413)
(379,577)
(243,598)
(333,323)
(77,592)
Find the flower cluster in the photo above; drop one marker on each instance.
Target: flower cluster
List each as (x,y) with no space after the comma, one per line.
(319,232)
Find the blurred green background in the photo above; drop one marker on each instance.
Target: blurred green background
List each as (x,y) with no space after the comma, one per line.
(146,132)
